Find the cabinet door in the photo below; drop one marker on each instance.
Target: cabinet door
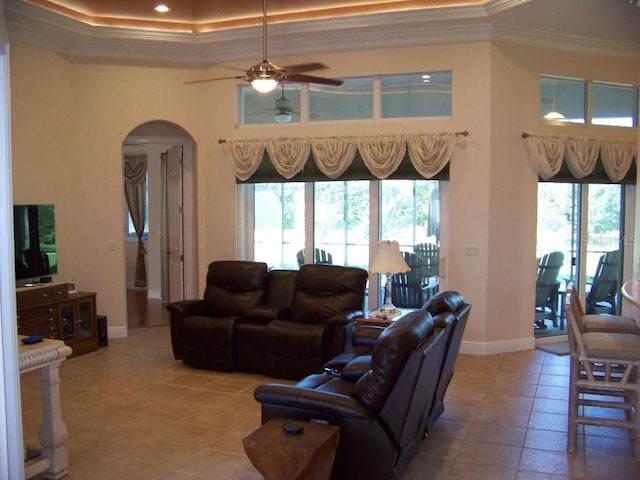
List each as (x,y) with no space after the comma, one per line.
(85,324)
(67,322)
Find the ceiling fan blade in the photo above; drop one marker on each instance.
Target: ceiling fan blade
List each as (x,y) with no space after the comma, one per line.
(299,77)
(191,82)
(304,67)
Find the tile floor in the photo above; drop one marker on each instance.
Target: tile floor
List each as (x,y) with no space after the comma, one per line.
(134,412)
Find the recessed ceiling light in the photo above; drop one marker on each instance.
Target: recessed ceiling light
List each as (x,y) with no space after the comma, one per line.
(161,8)
(426,76)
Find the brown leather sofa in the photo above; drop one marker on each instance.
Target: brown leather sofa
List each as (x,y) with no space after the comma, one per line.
(285,323)
(384,393)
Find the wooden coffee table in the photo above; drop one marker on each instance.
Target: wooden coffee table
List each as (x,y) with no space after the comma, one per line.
(278,456)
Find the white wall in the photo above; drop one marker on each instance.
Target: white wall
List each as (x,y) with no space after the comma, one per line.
(66,115)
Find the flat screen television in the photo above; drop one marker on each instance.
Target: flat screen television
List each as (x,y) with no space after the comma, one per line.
(34,233)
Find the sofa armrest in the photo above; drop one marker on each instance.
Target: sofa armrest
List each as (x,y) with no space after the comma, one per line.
(344,318)
(179,311)
(325,403)
(187,308)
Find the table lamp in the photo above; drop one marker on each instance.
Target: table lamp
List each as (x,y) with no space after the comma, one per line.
(388,260)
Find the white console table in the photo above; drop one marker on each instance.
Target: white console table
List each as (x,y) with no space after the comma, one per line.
(47,356)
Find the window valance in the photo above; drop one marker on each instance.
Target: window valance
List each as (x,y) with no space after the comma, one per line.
(583,156)
(429,154)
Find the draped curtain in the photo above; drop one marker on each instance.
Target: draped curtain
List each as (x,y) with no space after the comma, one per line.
(547,153)
(428,153)
(135,169)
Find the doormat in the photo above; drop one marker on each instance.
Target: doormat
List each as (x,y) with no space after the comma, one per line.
(560,348)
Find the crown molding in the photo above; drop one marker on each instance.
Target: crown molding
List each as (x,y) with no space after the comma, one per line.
(33,25)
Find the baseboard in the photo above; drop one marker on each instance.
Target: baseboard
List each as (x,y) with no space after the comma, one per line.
(154,294)
(117,332)
(554,339)
(503,346)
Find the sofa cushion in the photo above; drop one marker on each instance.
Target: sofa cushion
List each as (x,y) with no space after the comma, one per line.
(235,287)
(389,355)
(323,291)
(294,340)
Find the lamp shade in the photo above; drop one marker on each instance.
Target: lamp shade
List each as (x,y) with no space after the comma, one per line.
(388,259)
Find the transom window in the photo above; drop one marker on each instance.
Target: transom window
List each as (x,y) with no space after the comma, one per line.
(423,94)
(591,102)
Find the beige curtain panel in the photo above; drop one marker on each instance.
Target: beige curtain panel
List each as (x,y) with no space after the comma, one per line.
(135,169)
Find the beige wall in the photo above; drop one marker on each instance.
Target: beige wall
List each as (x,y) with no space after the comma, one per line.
(69,121)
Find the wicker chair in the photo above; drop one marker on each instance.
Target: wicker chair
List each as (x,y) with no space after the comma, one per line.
(603,375)
(604,322)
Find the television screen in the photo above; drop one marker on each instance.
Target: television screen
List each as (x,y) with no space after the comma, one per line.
(35,241)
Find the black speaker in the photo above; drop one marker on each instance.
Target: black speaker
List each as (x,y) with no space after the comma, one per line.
(103,337)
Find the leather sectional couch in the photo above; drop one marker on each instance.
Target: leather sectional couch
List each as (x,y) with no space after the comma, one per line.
(284,323)
(385,392)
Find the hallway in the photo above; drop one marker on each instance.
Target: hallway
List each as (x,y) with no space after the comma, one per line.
(145,312)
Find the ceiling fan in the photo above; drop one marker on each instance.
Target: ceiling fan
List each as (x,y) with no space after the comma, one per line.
(283,109)
(265,76)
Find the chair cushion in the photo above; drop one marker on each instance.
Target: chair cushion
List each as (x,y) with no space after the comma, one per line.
(612,346)
(609,323)
(447,301)
(389,356)
(356,368)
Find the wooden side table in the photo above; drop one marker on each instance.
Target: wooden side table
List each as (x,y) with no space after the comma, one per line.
(371,319)
(278,456)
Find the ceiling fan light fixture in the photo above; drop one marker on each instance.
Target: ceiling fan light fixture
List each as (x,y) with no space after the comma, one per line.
(282,117)
(264,76)
(554,116)
(264,85)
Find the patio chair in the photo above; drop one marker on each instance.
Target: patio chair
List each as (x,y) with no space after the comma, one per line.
(430,254)
(320,256)
(407,288)
(602,298)
(548,288)
(603,378)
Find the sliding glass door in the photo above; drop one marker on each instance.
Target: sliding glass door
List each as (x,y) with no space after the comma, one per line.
(583,222)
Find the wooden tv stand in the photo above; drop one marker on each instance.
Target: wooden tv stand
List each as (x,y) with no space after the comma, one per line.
(51,311)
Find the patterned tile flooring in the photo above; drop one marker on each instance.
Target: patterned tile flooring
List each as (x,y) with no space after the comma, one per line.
(134,412)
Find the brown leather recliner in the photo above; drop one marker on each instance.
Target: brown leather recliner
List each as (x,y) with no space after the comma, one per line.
(358,354)
(318,326)
(381,415)
(203,331)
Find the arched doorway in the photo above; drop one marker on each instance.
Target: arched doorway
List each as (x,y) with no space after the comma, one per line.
(169,255)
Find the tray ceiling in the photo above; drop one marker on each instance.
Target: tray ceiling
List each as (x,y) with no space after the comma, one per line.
(202,32)
(208,15)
